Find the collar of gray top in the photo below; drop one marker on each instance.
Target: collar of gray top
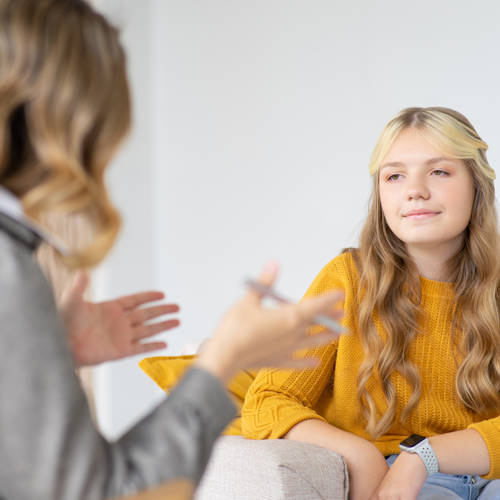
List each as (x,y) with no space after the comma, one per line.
(19,232)
(14,222)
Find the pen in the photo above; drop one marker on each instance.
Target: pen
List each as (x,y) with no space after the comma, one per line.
(267,291)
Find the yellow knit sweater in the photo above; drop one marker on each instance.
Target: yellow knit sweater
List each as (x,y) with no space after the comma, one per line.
(279,399)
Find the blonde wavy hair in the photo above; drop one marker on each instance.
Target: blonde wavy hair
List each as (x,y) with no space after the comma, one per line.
(64,108)
(390,287)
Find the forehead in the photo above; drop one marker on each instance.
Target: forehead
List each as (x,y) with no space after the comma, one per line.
(412,145)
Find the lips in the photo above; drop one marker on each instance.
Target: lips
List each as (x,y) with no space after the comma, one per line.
(421,214)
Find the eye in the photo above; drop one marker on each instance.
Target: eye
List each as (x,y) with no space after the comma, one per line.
(440,173)
(394,177)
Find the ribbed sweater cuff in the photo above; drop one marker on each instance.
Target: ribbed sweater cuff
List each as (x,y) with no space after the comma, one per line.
(274,423)
(490,432)
(284,427)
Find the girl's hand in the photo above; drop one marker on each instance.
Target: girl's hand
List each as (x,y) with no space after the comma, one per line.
(251,336)
(404,479)
(113,329)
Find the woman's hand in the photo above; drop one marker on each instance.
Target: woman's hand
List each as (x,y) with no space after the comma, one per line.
(113,329)
(404,480)
(251,336)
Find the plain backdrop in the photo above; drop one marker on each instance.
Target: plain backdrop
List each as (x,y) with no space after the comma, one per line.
(254,122)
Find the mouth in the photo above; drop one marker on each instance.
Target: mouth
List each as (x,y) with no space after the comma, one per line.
(420,214)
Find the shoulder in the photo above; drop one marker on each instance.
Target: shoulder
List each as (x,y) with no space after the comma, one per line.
(31,326)
(21,279)
(341,272)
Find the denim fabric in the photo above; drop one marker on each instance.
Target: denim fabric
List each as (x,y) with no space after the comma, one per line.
(456,487)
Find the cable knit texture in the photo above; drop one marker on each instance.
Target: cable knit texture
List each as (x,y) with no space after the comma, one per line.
(279,399)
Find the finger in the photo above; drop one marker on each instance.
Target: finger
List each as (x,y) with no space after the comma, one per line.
(267,277)
(141,315)
(77,288)
(318,339)
(323,304)
(132,301)
(149,346)
(145,331)
(296,364)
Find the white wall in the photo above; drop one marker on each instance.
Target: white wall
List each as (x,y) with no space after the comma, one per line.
(254,124)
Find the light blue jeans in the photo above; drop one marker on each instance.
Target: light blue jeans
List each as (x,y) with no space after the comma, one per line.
(456,487)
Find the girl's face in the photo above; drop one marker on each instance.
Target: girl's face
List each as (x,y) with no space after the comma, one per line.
(426,196)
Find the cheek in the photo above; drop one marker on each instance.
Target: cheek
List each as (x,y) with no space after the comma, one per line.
(461,201)
(388,203)
(460,194)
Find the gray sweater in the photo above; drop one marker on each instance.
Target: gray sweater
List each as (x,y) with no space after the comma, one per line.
(49,447)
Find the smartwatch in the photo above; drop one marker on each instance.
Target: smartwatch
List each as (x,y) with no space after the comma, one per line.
(421,446)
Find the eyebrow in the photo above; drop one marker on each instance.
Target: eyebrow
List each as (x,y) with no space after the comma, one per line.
(431,161)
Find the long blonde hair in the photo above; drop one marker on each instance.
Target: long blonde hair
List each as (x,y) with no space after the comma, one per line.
(390,286)
(64,108)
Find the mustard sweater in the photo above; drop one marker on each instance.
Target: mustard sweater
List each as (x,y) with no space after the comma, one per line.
(279,399)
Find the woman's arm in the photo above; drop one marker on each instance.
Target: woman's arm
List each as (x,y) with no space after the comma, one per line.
(49,447)
(277,400)
(365,463)
(459,452)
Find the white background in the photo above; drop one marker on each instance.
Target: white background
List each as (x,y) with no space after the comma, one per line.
(254,122)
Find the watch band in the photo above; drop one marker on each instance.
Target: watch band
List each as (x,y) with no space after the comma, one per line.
(424,450)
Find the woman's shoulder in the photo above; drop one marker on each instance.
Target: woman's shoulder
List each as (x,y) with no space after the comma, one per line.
(346,261)
(340,272)
(20,276)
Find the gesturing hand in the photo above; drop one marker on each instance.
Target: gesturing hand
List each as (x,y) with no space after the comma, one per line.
(113,329)
(253,336)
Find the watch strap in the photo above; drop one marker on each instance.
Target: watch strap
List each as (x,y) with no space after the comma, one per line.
(426,453)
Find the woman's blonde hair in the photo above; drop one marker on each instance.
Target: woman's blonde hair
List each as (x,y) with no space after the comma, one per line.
(64,108)
(390,286)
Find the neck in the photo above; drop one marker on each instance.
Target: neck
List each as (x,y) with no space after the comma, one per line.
(432,260)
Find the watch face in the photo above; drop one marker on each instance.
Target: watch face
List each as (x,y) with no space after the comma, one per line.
(413,440)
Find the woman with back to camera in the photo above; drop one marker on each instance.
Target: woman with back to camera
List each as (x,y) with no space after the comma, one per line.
(64,108)
(411,399)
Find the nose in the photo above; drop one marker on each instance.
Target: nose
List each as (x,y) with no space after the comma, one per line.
(417,189)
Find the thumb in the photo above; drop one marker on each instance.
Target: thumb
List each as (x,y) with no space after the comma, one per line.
(267,277)
(77,288)
(269,273)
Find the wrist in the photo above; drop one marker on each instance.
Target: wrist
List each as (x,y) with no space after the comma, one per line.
(413,462)
(215,365)
(419,445)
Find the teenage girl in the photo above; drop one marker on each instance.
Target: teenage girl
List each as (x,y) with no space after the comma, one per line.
(411,398)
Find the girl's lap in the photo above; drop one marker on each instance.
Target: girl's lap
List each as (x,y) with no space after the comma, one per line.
(456,487)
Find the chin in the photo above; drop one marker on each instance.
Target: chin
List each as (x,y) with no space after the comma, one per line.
(431,242)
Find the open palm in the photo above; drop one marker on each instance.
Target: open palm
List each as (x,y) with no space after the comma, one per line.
(113,329)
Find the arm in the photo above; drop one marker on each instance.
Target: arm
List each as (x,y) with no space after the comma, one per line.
(282,404)
(459,452)
(365,463)
(49,447)
(277,399)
